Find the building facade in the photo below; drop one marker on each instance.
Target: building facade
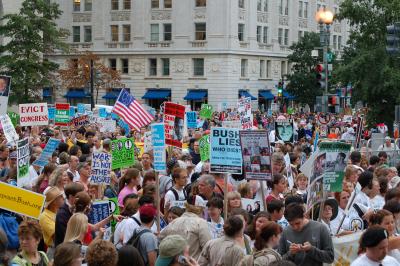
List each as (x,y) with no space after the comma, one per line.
(190,51)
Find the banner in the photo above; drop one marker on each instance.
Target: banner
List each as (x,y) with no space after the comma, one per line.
(123,153)
(5,88)
(107,125)
(33,114)
(256,154)
(346,248)
(204,145)
(101,168)
(191,119)
(80,121)
(226,155)
(206,111)
(62,114)
(47,152)
(23,163)
(52,113)
(148,145)
(284,130)
(21,201)
(99,211)
(244,109)
(174,115)
(158,140)
(8,129)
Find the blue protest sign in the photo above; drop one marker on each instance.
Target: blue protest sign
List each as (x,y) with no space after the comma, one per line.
(316,141)
(47,152)
(158,141)
(226,154)
(81,108)
(72,111)
(99,211)
(101,168)
(114,116)
(102,112)
(52,113)
(125,126)
(191,119)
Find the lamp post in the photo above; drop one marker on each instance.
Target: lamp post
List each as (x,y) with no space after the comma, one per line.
(91,84)
(324,18)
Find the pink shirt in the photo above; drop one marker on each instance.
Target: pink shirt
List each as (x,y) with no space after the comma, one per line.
(124,192)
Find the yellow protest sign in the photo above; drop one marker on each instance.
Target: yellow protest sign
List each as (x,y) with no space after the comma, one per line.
(21,201)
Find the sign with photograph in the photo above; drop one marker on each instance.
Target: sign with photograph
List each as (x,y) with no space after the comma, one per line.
(244,109)
(174,115)
(5,88)
(284,130)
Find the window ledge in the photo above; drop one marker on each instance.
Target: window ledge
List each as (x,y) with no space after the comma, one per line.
(197,78)
(265,79)
(156,77)
(244,78)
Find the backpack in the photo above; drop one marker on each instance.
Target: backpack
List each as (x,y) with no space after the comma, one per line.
(10,226)
(135,240)
(248,260)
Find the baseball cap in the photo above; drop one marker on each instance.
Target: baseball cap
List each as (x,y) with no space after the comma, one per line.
(373,236)
(148,210)
(169,248)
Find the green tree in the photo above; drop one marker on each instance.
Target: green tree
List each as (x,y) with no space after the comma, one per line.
(374,75)
(302,82)
(31,35)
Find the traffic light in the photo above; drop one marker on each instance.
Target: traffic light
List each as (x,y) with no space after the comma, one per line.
(321,75)
(280,89)
(393,38)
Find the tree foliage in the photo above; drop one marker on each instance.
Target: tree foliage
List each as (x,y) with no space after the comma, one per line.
(374,75)
(30,35)
(302,82)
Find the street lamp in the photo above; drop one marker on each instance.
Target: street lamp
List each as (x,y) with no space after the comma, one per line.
(324,18)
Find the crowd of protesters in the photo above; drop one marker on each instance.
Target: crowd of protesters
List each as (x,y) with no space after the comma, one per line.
(197,227)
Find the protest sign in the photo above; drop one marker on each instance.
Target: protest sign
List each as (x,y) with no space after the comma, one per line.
(5,88)
(323,129)
(21,201)
(80,121)
(139,149)
(174,115)
(8,129)
(72,112)
(62,114)
(123,153)
(47,152)
(107,125)
(158,140)
(222,106)
(252,206)
(348,118)
(33,114)
(346,248)
(206,111)
(244,109)
(103,112)
(52,113)
(148,146)
(256,154)
(225,156)
(289,172)
(204,145)
(23,163)
(81,108)
(315,187)
(125,126)
(14,118)
(284,130)
(231,124)
(191,119)
(99,211)
(114,209)
(101,168)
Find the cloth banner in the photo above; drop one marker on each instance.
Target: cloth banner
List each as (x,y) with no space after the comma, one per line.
(346,248)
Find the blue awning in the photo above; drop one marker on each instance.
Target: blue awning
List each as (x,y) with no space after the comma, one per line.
(288,96)
(157,94)
(246,94)
(196,95)
(47,92)
(113,93)
(76,93)
(267,95)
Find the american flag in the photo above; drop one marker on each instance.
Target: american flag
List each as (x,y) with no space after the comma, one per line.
(131,111)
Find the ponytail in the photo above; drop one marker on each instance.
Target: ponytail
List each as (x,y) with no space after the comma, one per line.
(127,177)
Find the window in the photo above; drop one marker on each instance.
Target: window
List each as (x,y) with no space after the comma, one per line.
(266,6)
(127,4)
(152,67)
(155,3)
(200,31)
(87,36)
(112,62)
(286,37)
(281,7)
(300,9)
(201,3)
(167,3)
(154,35)
(76,33)
(77,5)
(334,42)
(114,33)
(305,14)
(283,68)
(339,43)
(241,3)
(259,5)
(265,36)
(259,29)
(126,33)
(300,35)
(268,70)
(318,7)
(287,8)
(167,32)
(262,69)
(88,5)
(125,65)
(165,66)
(280,36)
(241,32)
(243,68)
(198,67)
(114,4)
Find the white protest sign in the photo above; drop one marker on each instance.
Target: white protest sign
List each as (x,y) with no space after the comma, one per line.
(346,248)
(107,125)
(148,145)
(244,109)
(101,168)
(8,128)
(33,114)
(231,124)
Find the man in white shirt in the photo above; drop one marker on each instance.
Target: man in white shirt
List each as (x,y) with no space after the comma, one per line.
(375,242)
(73,167)
(176,196)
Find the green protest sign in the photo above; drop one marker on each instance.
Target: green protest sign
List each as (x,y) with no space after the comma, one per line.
(114,209)
(62,114)
(23,163)
(123,153)
(206,111)
(204,145)
(14,118)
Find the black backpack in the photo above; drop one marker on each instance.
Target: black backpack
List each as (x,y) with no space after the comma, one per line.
(134,240)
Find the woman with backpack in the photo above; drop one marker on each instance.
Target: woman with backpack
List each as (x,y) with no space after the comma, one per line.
(264,246)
